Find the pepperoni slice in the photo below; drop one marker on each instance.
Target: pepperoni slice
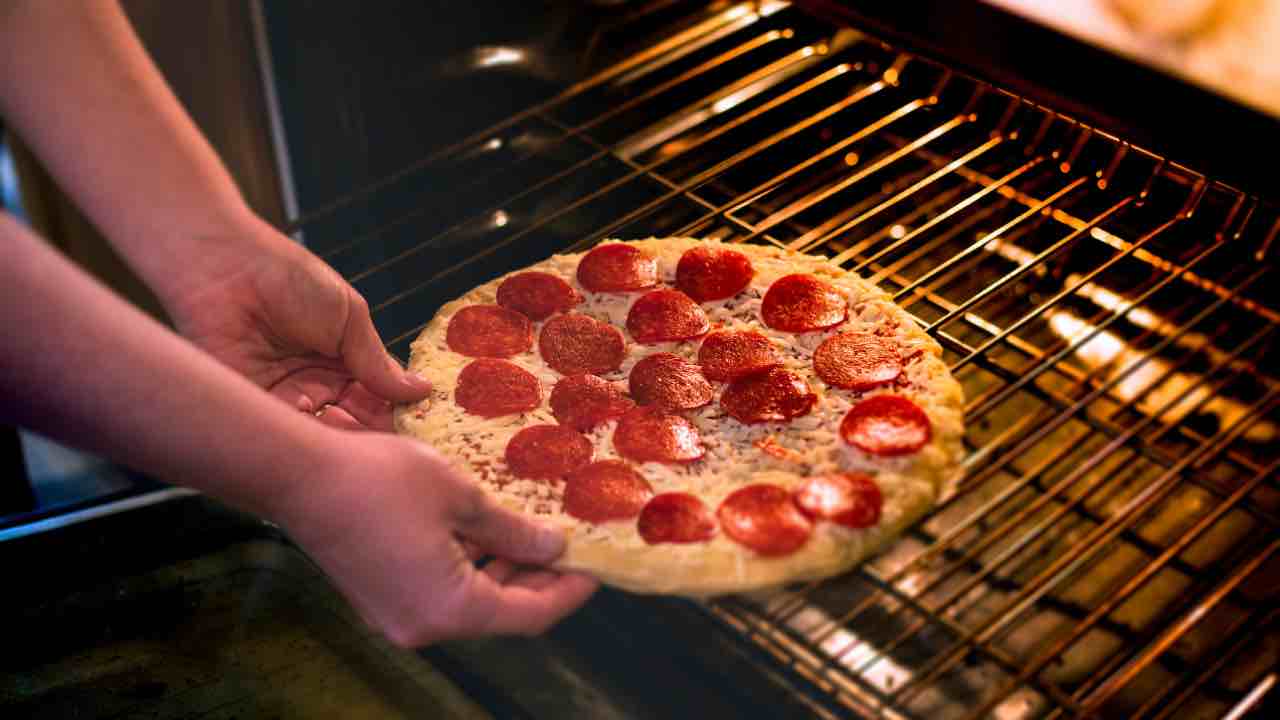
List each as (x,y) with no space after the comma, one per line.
(650,435)
(670,382)
(771,395)
(763,518)
(802,303)
(604,491)
(729,354)
(575,343)
(676,518)
(489,331)
(852,499)
(537,295)
(886,425)
(491,388)
(707,273)
(856,361)
(617,267)
(666,315)
(584,401)
(546,452)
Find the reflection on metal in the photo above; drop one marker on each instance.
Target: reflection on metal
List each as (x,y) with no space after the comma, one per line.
(104,510)
(487,57)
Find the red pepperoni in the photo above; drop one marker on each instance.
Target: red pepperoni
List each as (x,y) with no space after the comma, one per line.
(772,395)
(574,343)
(490,388)
(886,425)
(666,315)
(707,273)
(729,354)
(851,499)
(856,361)
(801,303)
(763,518)
(617,268)
(547,451)
(604,491)
(489,331)
(676,518)
(537,295)
(649,435)
(584,401)
(670,382)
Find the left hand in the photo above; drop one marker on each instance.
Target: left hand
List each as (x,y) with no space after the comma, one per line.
(268,308)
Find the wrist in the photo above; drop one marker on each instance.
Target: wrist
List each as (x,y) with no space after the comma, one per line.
(181,268)
(305,470)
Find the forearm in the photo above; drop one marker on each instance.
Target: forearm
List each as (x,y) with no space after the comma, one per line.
(77,85)
(81,365)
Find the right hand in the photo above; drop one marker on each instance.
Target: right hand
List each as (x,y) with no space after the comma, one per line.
(391,523)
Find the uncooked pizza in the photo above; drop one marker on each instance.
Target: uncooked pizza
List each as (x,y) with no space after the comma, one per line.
(699,418)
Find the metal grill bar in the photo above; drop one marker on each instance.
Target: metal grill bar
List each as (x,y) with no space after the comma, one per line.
(969,251)
(1135,583)
(688,185)
(1021,270)
(1147,257)
(1057,357)
(1257,618)
(719,25)
(824,232)
(1183,625)
(993,535)
(758,192)
(1064,567)
(568,133)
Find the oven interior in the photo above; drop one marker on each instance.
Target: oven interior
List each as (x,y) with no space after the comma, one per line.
(1112,548)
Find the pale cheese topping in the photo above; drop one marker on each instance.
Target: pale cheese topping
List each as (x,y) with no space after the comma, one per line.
(812,442)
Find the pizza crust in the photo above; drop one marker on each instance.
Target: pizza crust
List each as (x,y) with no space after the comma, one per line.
(613,552)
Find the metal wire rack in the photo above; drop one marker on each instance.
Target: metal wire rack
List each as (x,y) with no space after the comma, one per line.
(1112,548)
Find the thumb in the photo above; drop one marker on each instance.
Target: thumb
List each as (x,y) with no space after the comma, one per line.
(507,534)
(368,361)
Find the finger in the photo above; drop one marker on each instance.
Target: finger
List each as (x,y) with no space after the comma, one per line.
(505,533)
(494,609)
(368,361)
(335,416)
(474,552)
(368,409)
(532,578)
(310,389)
(499,570)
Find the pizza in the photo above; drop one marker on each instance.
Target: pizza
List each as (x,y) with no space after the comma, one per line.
(699,418)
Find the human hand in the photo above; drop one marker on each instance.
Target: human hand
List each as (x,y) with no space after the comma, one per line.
(391,523)
(276,313)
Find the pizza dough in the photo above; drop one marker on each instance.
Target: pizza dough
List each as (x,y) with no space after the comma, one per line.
(697,421)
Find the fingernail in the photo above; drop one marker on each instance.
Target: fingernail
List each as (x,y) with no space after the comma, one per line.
(551,543)
(417,382)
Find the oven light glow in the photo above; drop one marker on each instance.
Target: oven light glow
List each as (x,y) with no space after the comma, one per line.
(897,232)
(500,219)
(498,55)
(848,649)
(493,144)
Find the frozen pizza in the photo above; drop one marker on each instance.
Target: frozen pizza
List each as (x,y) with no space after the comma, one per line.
(699,418)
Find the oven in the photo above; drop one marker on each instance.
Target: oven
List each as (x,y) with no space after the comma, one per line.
(1089,238)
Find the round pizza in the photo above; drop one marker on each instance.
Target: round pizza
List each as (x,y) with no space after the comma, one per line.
(699,418)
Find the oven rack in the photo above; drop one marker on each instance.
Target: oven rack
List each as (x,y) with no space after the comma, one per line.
(1112,547)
